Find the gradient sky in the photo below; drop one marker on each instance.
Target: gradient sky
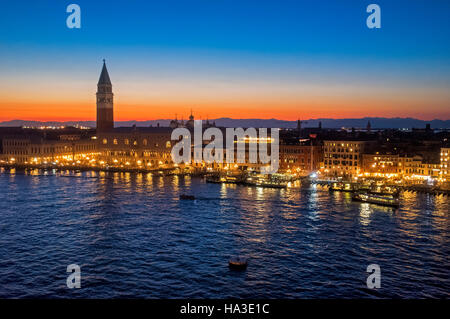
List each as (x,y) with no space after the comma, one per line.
(226,58)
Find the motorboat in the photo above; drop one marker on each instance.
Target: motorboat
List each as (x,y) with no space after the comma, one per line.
(384,200)
(238,263)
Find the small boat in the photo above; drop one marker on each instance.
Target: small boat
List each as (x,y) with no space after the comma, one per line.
(343,187)
(376,199)
(385,193)
(213,179)
(270,185)
(187,197)
(237,263)
(223,179)
(384,190)
(265,182)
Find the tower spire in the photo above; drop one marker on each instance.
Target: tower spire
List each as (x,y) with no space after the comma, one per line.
(104,76)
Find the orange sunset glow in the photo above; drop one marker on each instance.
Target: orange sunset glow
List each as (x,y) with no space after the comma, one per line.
(244,107)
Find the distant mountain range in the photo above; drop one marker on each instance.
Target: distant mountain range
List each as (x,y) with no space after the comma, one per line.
(376,123)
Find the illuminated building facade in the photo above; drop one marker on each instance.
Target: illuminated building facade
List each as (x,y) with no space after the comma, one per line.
(241,161)
(37,150)
(398,166)
(303,159)
(445,166)
(343,158)
(144,147)
(382,165)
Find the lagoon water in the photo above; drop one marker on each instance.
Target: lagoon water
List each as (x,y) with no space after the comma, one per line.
(134,238)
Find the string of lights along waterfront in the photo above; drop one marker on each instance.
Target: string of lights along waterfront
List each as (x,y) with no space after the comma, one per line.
(132,236)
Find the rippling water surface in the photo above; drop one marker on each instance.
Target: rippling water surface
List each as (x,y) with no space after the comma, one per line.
(133,237)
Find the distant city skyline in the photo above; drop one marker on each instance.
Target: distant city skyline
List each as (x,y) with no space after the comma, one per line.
(361,123)
(238,60)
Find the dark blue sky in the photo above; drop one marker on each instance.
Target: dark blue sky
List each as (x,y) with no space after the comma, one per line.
(414,28)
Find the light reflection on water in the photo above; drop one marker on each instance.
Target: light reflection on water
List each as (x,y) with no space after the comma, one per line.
(365,211)
(133,237)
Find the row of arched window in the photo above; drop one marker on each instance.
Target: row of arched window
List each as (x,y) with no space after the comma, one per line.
(126,141)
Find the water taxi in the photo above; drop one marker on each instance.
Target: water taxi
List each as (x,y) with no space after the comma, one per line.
(260,181)
(384,200)
(384,190)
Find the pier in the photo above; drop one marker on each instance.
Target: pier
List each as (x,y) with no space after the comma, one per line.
(354,186)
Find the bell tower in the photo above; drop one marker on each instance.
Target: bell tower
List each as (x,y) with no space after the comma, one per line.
(105,116)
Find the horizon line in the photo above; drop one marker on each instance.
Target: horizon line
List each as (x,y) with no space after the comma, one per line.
(230,118)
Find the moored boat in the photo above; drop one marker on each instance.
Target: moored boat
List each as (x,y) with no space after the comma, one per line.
(343,186)
(393,193)
(265,181)
(268,184)
(384,200)
(226,179)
